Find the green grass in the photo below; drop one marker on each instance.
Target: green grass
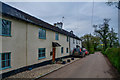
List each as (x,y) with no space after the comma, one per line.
(113,55)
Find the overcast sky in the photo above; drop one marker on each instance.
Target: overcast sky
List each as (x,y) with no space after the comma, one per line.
(77,15)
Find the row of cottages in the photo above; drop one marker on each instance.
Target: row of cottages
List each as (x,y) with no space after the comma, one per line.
(26,41)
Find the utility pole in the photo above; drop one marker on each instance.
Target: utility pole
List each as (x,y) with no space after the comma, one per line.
(119,21)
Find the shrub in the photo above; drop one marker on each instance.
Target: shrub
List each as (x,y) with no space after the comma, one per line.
(91,50)
(99,49)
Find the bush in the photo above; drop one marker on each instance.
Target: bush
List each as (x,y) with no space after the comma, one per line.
(113,55)
(103,52)
(99,49)
(91,51)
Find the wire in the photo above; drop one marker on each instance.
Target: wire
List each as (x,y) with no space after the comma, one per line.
(92,13)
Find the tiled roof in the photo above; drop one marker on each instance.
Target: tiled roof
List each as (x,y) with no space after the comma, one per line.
(15,13)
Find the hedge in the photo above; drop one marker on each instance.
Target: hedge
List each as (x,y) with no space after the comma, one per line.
(113,55)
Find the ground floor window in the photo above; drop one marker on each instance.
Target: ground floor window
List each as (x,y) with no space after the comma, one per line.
(41,53)
(5,60)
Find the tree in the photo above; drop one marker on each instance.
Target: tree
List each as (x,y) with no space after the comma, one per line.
(90,42)
(102,31)
(86,41)
(112,36)
(116,4)
(95,42)
(116,43)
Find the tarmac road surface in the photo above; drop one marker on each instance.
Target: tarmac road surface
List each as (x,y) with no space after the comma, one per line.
(92,66)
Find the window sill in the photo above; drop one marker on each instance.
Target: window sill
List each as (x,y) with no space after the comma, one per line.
(43,38)
(41,58)
(6,35)
(5,68)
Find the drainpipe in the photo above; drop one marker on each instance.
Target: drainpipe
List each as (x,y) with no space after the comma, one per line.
(69,47)
(26,42)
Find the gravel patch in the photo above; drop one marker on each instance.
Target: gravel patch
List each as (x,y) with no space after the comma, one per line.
(36,72)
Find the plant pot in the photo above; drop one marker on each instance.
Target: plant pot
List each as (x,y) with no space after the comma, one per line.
(72,58)
(64,62)
(68,60)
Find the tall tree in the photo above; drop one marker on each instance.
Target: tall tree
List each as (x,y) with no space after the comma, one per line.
(102,31)
(117,5)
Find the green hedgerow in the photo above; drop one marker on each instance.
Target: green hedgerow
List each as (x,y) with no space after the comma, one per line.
(113,55)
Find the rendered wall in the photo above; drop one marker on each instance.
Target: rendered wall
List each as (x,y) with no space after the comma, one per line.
(73,45)
(16,44)
(24,43)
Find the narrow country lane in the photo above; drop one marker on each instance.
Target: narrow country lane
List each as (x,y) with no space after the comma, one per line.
(92,66)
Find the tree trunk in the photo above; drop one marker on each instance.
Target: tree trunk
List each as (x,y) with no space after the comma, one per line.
(105,43)
(119,22)
(110,44)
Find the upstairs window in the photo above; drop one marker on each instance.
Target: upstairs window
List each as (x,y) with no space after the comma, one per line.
(5,60)
(41,53)
(5,27)
(56,36)
(42,33)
